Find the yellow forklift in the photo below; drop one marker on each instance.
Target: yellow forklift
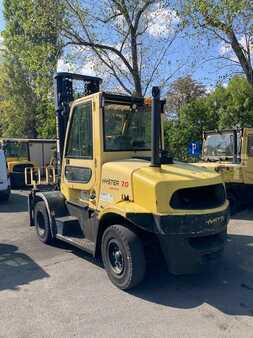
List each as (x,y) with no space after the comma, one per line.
(24,153)
(230,153)
(119,194)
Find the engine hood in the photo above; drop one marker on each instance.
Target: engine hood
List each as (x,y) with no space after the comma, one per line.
(150,187)
(213,165)
(230,172)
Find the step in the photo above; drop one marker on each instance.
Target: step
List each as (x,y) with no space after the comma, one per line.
(81,243)
(68,226)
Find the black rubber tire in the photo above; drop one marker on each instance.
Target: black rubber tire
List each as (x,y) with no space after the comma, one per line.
(41,220)
(132,251)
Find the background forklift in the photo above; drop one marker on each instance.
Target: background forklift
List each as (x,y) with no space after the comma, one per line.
(26,153)
(119,195)
(230,153)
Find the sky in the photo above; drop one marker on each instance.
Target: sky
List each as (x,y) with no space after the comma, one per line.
(1,16)
(188,49)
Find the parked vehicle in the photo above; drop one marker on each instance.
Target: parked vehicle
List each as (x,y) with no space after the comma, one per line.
(4,178)
(25,153)
(230,153)
(120,195)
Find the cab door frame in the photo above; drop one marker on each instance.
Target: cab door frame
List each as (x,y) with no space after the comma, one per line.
(81,197)
(247,157)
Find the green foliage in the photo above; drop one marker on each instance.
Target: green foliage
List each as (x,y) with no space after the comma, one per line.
(226,107)
(229,21)
(16,106)
(235,104)
(31,40)
(228,9)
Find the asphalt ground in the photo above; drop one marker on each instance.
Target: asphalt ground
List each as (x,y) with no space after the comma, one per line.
(59,291)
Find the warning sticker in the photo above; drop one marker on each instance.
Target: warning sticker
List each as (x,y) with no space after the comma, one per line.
(106,197)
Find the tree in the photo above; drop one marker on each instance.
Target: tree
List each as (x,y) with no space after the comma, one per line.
(230,22)
(31,41)
(119,35)
(195,117)
(17,105)
(183,91)
(224,108)
(234,104)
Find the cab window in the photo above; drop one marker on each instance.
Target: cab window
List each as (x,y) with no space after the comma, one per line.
(127,127)
(80,142)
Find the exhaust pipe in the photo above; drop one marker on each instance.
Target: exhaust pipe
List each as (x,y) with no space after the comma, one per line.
(156,127)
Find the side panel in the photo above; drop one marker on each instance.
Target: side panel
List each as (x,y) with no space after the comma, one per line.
(41,152)
(247,156)
(36,153)
(48,152)
(3,172)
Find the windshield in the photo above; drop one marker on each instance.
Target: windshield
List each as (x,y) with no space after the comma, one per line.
(127,127)
(16,149)
(220,145)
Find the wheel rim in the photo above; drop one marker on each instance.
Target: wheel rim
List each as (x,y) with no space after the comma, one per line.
(115,257)
(41,225)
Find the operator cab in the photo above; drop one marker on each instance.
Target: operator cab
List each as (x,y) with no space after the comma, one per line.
(14,149)
(123,123)
(99,128)
(222,146)
(127,125)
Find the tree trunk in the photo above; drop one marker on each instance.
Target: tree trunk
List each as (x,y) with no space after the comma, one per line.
(136,74)
(246,64)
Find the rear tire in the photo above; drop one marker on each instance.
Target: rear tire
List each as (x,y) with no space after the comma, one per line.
(41,221)
(123,257)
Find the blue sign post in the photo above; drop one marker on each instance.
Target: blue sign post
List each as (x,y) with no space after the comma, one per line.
(194,149)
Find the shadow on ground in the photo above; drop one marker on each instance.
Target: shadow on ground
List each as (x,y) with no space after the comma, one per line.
(246,215)
(79,253)
(227,287)
(16,203)
(17,269)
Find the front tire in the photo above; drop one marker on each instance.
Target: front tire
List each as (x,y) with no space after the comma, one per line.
(123,257)
(41,221)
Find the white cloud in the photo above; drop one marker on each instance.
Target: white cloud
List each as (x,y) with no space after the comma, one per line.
(64,66)
(86,69)
(162,22)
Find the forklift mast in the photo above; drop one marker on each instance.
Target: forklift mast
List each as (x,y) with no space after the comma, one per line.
(64,84)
